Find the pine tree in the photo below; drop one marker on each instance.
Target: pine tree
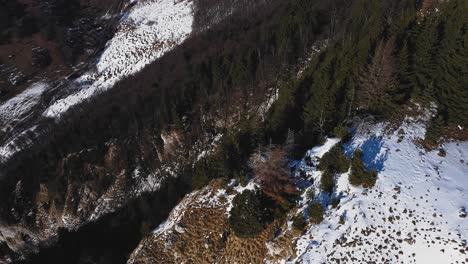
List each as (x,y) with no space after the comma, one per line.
(451,82)
(327,181)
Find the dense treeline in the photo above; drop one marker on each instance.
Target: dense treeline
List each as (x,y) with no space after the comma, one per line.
(217,72)
(380,62)
(213,73)
(388,54)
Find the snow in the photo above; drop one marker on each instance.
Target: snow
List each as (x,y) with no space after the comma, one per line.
(414,208)
(18,106)
(204,198)
(149,30)
(16,144)
(176,214)
(307,166)
(12,113)
(266,105)
(238,189)
(318,152)
(207,150)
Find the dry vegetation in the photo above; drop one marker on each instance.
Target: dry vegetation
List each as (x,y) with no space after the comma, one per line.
(271,169)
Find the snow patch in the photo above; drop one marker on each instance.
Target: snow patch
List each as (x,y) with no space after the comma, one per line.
(412,215)
(20,105)
(148,31)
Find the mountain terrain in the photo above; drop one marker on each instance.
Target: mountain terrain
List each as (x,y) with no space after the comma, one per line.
(233,131)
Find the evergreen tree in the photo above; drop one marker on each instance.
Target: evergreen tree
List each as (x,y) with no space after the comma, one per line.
(315,212)
(327,182)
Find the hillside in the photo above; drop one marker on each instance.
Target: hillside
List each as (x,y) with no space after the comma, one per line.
(203,131)
(414,214)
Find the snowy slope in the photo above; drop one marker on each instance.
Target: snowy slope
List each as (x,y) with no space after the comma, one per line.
(307,166)
(13,112)
(414,214)
(145,33)
(148,31)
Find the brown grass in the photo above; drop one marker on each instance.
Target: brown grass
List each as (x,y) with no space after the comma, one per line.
(207,238)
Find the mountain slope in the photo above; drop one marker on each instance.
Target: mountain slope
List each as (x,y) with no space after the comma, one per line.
(106,160)
(414,214)
(190,91)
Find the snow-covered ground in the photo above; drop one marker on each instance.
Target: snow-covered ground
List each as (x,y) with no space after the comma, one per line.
(416,213)
(149,30)
(16,107)
(13,112)
(145,33)
(308,166)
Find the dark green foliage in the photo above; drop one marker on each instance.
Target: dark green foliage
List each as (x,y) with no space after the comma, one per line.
(434,131)
(359,174)
(187,86)
(335,202)
(230,158)
(327,181)
(434,58)
(324,95)
(442,153)
(451,79)
(315,212)
(233,60)
(298,222)
(423,59)
(310,194)
(340,131)
(334,160)
(200,176)
(250,214)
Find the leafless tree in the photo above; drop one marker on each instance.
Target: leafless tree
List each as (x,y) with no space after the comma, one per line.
(271,169)
(379,76)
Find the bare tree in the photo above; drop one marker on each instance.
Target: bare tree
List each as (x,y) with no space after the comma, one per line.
(379,76)
(271,170)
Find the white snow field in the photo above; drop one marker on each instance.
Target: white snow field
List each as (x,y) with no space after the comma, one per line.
(149,30)
(416,212)
(13,112)
(16,107)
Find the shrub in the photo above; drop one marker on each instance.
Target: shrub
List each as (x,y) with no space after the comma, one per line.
(298,222)
(327,181)
(334,160)
(433,133)
(250,214)
(316,213)
(359,174)
(340,131)
(342,220)
(310,194)
(335,202)
(199,178)
(442,153)
(243,180)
